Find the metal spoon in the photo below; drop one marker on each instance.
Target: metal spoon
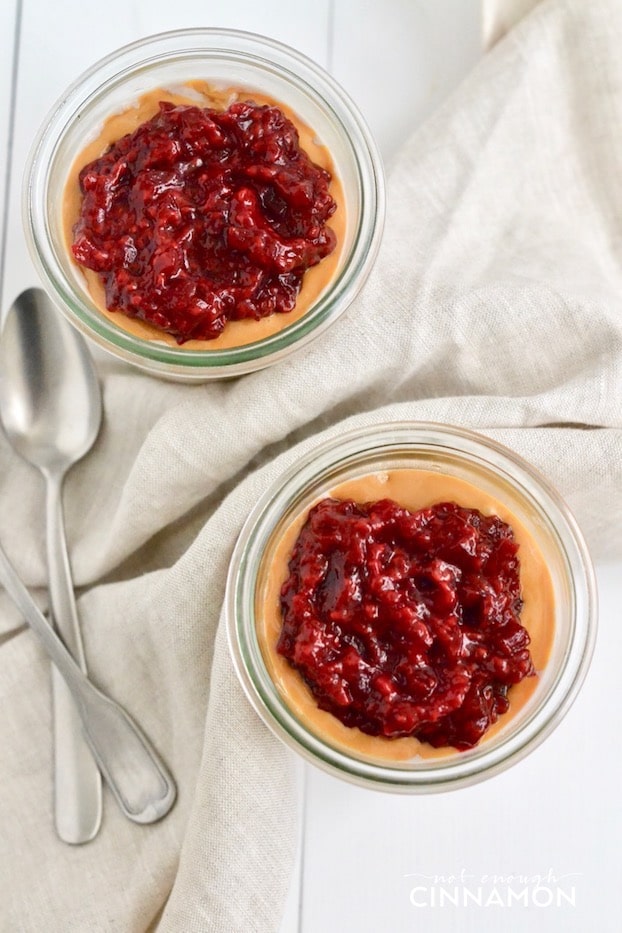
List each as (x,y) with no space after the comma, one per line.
(50,406)
(139,780)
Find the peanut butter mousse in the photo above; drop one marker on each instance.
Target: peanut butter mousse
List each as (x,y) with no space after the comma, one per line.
(511,600)
(232,229)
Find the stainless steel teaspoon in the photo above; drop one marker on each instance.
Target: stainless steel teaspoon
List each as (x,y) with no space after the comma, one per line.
(50,407)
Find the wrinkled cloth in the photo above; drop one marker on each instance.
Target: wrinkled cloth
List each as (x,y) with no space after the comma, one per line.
(495,303)
(499,16)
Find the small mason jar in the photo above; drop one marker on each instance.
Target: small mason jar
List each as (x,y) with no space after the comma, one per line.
(495,472)
(221,58)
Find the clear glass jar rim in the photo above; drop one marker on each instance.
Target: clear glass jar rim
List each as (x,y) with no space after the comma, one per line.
(443,774)
(321,87)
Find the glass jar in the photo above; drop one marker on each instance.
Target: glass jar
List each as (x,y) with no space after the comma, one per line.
(223,59)
(496,472)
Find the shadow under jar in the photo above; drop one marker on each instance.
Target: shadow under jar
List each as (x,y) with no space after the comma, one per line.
(178,62)
(416,463)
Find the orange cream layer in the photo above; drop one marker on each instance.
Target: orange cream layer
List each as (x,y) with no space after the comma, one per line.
(413,489)
(202,94)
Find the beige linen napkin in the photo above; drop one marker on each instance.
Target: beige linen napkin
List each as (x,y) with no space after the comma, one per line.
(496,302)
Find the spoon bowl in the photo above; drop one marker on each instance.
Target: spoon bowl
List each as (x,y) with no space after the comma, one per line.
(49,394)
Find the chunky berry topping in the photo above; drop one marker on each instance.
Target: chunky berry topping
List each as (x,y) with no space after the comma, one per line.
(406,623)
(202,216)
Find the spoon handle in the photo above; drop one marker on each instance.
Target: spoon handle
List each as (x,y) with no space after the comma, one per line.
(139,780)
(77,781)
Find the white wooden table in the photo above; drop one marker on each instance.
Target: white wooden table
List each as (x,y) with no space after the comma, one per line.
(373,863)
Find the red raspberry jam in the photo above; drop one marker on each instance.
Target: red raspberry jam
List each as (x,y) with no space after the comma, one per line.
(203,216)
(406,623)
